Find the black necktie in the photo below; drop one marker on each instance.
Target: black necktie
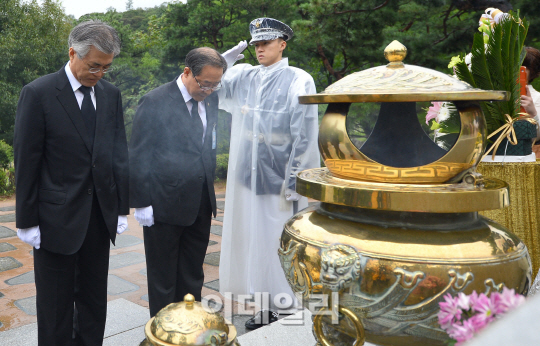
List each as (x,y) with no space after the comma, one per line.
(198,127)
(88,111)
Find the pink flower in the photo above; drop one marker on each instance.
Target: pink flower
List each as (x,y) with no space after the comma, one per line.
(497,303)
(433,111)
(483,305)
(481,320)
(450,312)
(473,297)
(509,300)
(463,316)
(463,301)
(462,332)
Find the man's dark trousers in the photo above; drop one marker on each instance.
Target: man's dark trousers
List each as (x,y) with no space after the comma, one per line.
(175,256)
(82,277)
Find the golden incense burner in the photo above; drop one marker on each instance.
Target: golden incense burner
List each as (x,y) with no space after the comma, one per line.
(398,225)
(188,324)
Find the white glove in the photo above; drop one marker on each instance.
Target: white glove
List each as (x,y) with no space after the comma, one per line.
(233,54)
(145,216)
(292,196)
(122,224)
(30,236)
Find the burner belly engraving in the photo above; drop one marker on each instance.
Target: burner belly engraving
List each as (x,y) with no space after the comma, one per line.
(393,293)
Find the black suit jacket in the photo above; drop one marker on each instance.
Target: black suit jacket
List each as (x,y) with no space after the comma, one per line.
(58,171)
(168,164)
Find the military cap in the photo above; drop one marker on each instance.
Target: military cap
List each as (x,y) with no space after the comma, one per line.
(267,29)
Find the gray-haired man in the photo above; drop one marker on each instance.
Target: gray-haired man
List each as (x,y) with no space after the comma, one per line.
(71,166)
(172,168)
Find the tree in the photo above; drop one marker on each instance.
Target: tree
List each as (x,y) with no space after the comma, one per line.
(347,36)
(530,9)
(138,68)
(219,24)
(481,5)
(333,38)
(343,37)
(33,42)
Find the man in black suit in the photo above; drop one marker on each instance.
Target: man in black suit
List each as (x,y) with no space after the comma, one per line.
(71,169)
(172,168)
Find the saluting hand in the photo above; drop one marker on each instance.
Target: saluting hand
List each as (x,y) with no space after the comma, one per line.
(233,54)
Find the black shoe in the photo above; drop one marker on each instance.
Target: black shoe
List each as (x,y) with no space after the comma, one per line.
(261,319)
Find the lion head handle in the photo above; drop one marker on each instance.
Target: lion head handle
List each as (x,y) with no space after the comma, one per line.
(340,267)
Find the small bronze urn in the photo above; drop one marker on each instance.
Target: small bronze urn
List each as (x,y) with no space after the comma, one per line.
(398,225)
(188,323)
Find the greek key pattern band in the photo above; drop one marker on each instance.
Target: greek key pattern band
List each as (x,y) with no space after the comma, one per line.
(371,171)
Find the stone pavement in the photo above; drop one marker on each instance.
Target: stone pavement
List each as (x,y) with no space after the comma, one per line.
(127,287)
(127,311)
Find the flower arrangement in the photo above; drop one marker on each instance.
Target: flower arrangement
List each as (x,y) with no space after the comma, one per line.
(493,64)
(496,56)
(463,316)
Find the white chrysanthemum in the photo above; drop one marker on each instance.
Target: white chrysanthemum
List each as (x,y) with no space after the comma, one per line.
(468,58)
(444,113)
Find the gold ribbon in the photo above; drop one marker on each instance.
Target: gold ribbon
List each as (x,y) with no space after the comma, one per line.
(508,132)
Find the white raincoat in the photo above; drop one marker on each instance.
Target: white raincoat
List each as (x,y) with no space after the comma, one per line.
(273,137)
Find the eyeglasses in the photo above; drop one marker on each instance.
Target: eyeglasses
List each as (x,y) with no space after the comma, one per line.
(96,69)
(205,88)
(99,69)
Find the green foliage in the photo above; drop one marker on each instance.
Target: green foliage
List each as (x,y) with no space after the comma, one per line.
(531,10)
(536,84)
(347,36)
(7,171)
(333,38)
(222,162)
(221,24)
(495,66)
(7,181)
(361,120)
(6,155)
(223,132)
(138,68)
(344,35)
(33,41)
(432,30)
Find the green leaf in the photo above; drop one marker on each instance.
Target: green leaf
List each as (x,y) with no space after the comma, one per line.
(495,65)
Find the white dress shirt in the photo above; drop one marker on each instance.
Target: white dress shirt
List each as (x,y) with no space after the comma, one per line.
(187,98)
(75,85)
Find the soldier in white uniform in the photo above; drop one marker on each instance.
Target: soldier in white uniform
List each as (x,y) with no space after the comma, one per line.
(273,138)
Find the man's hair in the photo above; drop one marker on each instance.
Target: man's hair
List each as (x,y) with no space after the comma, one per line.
(198,58)
(94,33)
(532,62)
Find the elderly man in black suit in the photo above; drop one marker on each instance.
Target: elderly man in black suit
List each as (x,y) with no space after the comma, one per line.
(71,168)
(172,168)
